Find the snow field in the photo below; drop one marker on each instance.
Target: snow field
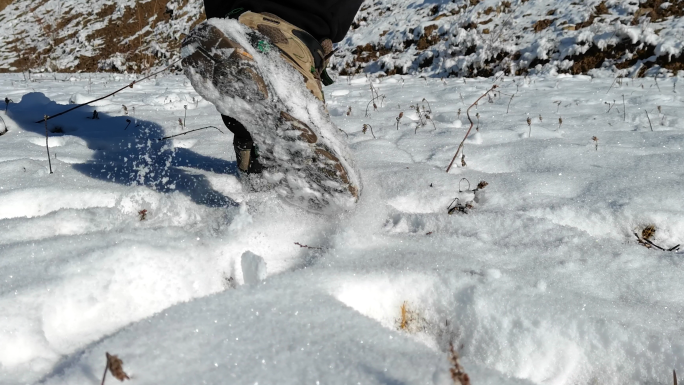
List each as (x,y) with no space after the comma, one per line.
(541,283)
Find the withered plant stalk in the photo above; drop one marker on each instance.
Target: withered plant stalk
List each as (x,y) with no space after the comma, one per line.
(460,146)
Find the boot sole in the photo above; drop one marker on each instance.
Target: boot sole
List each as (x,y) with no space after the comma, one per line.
(302,164)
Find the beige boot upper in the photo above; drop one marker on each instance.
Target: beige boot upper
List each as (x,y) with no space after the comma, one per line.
(293,50)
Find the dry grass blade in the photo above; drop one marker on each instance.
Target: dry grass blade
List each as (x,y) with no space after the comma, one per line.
(460,146)
(404,321)
(674,376)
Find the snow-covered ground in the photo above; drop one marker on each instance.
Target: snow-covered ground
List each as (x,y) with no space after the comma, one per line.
(430,37)
(542,282)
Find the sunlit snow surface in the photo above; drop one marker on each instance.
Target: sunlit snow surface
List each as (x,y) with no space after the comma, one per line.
(542,282)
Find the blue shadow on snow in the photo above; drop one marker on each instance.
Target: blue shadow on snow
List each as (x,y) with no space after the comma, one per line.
(127,156)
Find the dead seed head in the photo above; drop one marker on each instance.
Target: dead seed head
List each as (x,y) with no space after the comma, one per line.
(648,232)
(595,139)
(529,121)
(115,366)
(482,185)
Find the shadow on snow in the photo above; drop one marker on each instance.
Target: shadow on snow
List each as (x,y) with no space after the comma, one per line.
(128,156)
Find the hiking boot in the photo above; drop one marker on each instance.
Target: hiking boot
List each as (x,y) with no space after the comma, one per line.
(296,46)
(234,66)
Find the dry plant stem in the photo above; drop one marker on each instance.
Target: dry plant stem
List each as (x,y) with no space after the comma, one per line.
(47,146)
(105,373)
(649,120)
(307,246)
(460,146)
(113,93)
(185,133)
(624,109)
(674,376)
(650,243)
(509,103)
(611,86)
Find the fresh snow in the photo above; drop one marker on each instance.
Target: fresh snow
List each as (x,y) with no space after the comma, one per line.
(542,282)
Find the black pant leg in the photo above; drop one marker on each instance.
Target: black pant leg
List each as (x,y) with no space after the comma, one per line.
(323,19)
(242,137)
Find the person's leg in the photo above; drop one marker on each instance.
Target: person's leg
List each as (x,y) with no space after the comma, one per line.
(323,19)
(245,152)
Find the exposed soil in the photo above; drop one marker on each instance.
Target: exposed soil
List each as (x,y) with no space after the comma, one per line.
(543,24)
(121,34)
(4,4)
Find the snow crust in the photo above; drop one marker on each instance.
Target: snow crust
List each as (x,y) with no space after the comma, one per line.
(542,282)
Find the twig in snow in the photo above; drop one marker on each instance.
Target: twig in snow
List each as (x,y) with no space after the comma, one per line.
(624,109)
(457,206)
(185,133)
(113,93)
(401,115)
(674,376)
(129,123)
(655,78)
(460,146)
(47,146)
(529,124)
(560,123)
(7,103)
(609,105)
(649,120)
(595,139)
(307,246)
(645,239)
